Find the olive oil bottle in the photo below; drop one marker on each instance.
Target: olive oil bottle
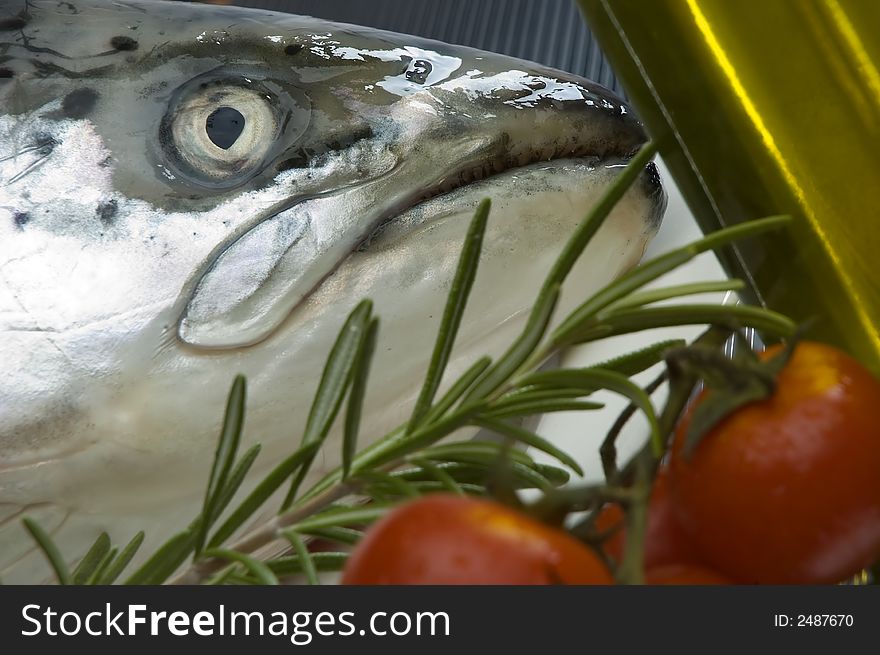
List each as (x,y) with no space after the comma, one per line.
(766,107)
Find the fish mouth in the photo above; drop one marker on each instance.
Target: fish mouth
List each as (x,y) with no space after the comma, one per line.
(651,186)
(488,169)
(504,163)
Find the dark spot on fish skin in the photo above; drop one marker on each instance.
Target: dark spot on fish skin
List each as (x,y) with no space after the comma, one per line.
(418,71)
(79,103)
(6,73)
(106,211)
(104,163)
(293,49)
(123,43)
(21,219)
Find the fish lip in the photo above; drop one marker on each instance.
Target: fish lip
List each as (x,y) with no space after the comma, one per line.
(649,179)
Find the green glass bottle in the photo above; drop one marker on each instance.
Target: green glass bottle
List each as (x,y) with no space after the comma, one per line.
(765,107)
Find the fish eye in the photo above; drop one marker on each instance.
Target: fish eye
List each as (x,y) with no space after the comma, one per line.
(220,131)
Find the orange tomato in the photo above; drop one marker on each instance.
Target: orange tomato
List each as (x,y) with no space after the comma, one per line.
(445,539)
(787,489)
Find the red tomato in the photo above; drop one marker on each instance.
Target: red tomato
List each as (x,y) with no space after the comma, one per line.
(665,541)
(787,490)
(684,574)
(443,539)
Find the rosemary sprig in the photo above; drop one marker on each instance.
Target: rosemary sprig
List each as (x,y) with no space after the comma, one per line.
(408,461)
(224,458)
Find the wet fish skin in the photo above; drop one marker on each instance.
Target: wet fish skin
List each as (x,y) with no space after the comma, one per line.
(141,267)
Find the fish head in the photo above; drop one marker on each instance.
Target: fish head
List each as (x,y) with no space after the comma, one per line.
(191,192)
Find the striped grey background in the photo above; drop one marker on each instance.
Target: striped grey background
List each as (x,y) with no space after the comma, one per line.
(551,32)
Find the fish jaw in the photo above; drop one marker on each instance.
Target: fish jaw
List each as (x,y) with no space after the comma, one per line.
(117,400)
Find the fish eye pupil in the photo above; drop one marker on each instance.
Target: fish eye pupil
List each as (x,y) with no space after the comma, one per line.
(224,126)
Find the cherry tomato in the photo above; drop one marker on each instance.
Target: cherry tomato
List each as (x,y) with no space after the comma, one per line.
(445,539)
(665,541)
(787,489)
(684,574)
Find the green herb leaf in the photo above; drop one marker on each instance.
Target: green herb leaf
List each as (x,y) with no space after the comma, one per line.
(333,386)
(476,451)
(92,559)
(165,561)
(553,474)
(530,393)
(348,536)
(530,439)
(679,291)
(640,360)
(236,478)
(356,397)
(531,407)
(440,475)
(97,574)
(262,492)
(627,321)
(50,550)
(117,566)
(456,301)
(305,558)
(359,515)
(224,457)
